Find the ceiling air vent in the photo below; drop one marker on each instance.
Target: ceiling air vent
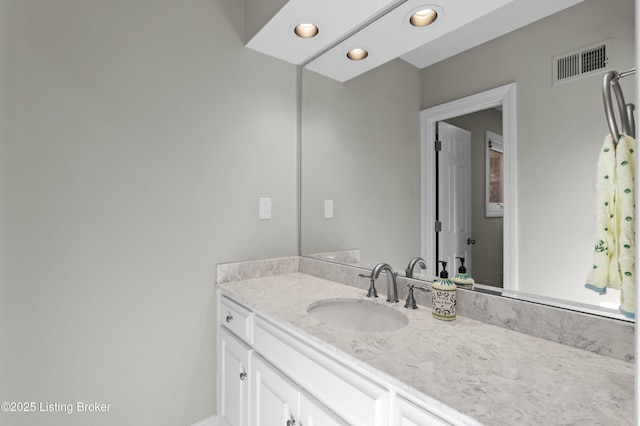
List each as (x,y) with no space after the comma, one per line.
(581,62)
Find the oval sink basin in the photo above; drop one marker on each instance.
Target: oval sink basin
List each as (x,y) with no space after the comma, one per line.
(357,315)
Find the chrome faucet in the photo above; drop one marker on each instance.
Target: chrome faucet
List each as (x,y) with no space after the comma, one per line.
(412,264)
(392,286)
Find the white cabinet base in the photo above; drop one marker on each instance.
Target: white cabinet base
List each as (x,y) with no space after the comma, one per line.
(292,379)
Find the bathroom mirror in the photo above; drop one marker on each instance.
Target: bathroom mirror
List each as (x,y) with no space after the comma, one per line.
(360,152)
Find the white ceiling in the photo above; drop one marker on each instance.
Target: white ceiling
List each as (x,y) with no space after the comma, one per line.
(277,39)
(512,16)
(381,27)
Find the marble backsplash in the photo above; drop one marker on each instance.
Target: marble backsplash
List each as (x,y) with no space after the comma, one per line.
(347,257)
(606,336)
(237,271)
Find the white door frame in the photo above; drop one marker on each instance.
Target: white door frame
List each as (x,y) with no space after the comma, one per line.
(504,96)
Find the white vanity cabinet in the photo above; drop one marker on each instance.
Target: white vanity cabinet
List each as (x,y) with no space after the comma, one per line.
(270,374)
(276,400)
(235,336)
(234,384)
(348,394)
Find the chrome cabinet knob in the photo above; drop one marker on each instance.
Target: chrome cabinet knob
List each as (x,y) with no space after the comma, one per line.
(243,375)
(229,318)
(291,422)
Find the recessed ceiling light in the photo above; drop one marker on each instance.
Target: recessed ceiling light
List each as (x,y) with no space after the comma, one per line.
(357,54)
(423,17)
(306,30)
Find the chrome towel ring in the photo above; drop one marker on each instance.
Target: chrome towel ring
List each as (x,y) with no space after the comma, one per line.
(611,80)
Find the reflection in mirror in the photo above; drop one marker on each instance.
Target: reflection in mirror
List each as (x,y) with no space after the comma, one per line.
(474,113)
(494,174)
(484,243)
(361,149)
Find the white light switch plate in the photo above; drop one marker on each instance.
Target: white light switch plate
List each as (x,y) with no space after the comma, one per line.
(265,208)
(328,209)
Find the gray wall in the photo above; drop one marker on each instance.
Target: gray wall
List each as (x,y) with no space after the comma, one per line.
(360,148)
(560,132)
(136,139)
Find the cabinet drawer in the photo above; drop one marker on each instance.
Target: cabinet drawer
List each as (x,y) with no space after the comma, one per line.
(236,318)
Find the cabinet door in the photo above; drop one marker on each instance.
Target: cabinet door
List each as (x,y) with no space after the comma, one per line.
(313,413)
(234,388)
(274,398)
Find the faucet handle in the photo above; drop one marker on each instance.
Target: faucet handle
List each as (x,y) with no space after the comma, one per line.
(411,301)
(372,286)
(417,287)
(372,289)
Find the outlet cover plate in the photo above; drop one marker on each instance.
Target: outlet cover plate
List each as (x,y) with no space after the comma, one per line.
(265,208)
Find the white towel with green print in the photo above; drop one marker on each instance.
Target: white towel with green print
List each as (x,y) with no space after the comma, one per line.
(605,272)
(626,212)
(614,256)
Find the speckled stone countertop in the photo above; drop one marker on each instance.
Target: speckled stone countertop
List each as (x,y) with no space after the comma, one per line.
(493,375)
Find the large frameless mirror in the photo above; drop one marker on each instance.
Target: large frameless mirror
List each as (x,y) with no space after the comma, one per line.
(361,154)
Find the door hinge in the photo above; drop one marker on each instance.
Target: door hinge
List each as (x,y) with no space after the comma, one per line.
(438,226)
(438,146)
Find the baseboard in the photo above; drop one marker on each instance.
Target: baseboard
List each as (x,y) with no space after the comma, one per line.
(209,421)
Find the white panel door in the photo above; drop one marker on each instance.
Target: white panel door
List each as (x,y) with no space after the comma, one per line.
(454,196)
(234,389)
(274,398)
